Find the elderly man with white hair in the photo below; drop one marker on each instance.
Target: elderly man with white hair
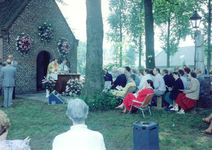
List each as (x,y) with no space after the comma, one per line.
(79,137)
(121,80)
(114,73)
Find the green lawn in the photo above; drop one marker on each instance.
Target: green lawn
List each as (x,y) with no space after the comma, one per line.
(43,122)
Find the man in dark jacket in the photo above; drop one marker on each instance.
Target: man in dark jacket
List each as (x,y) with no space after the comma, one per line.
(121,80)
(167,78)
(108,75)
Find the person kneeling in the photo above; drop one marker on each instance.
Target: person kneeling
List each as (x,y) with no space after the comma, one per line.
(140,96)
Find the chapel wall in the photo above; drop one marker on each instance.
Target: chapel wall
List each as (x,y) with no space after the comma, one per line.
(35,14)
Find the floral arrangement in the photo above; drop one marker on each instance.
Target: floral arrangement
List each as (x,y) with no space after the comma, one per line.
(45,32)
(23,43)
(74,87)
(63,47)
(48,83)
(149,58)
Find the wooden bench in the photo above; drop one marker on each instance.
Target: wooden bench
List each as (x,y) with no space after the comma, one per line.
(159,102)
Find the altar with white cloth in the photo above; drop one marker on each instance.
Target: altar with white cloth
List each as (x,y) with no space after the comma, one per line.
(62,79)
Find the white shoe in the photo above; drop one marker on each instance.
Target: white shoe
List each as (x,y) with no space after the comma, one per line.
(174,109)
(181,112)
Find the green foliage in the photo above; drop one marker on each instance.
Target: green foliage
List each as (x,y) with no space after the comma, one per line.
(117,21)
(81,57)
(173,19)
(126,21)
(103,101)
(206,21)
(131,57)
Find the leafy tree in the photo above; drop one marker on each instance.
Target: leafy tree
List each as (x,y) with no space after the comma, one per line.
(149,34)
(94,61)
(81,57)
(136,24)
(117,22)
(130,57)
(174,15)
(207,28)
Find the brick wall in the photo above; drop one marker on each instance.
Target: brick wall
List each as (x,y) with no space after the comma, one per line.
(34,14)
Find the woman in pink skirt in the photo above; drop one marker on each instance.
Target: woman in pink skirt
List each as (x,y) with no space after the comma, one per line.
(139,96)
(187,99)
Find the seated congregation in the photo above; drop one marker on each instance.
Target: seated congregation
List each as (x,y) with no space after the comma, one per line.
(179,90)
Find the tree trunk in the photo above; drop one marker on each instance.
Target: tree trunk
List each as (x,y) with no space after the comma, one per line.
(209,37)
(140,51)
(140,37)
(120,25)
(94,76)
(168,44)
(120,54)
(149,35)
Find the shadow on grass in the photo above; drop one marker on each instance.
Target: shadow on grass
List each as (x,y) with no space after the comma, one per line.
(43,122)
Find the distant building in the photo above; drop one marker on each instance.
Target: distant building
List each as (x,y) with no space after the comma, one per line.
(184,54)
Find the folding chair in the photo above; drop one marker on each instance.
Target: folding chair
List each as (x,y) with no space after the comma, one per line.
(144,104)
(129,90)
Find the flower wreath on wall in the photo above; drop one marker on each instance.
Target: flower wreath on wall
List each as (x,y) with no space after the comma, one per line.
(45,32)
(23,43)
(63,47)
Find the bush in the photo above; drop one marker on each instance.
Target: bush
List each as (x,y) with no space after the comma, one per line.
(104,101)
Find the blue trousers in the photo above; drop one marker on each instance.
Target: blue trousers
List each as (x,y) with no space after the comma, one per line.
(8,93)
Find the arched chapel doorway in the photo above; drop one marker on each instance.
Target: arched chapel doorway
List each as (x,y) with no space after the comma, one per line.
(42,64)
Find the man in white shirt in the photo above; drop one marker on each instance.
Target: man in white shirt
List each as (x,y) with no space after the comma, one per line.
(79,137)
(144,79)
(159,84)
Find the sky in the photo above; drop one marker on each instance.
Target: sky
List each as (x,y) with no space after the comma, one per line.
(75,14)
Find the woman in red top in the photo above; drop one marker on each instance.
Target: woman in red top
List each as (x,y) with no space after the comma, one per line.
(139,96)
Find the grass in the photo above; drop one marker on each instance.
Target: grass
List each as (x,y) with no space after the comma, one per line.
(43,122)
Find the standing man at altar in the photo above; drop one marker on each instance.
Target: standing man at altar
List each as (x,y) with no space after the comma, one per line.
(8,74)
(53,67)
(14,64)
(63,67)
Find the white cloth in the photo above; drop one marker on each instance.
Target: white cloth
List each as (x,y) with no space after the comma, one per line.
(79,138)
(159,83)
(143,81)
(14,145)
(63,67)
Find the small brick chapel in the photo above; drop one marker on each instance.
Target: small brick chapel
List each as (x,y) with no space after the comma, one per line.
(34,32)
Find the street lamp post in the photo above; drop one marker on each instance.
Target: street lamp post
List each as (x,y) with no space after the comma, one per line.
(199,42)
